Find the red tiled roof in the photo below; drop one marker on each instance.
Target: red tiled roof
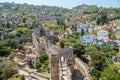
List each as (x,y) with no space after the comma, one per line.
(32,55)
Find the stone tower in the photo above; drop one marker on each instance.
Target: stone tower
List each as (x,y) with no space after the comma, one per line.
(68,54)
(54,67)
(55,55)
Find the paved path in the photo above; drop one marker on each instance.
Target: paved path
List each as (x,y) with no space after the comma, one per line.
(30,76)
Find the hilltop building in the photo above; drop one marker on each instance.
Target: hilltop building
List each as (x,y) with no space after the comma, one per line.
(103,35)
(81,28)
(87,39)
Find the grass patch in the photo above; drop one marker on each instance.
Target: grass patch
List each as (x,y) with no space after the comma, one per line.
(14,78)
(44,73)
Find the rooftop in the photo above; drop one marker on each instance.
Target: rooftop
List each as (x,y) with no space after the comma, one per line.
(103,31)
(34,55)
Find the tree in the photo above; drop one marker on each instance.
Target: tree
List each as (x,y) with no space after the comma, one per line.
(1,28)
(10,70)
(37,64)
(108,51)
(92,18)
(78,49)
(20,47)
(23,31)
(45,66)
(102,19)
(99,60)
(82,33)
(10,43)
(43,57)
(110,73)
(60,22)
(98,63)
(98,21)
(90,49)
(22,77)
(11,56)
(62,44)
(2,65)
(24,20)
(112,35)
(11,35)
(8,25)
(4,50)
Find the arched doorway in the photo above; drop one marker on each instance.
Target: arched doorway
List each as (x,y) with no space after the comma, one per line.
(62,59)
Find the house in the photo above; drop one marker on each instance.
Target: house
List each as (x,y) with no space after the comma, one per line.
(117,28)
(114,43)
(3,17)
(111,43)
(97,28)
(21,24)
(101,43)
(75,26)
(81,28)
(103,35)
(87,39)
(105,27)
(90,29)
(117,42)
(31,58)
(98,42)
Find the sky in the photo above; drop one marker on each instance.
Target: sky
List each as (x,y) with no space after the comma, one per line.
(69,3)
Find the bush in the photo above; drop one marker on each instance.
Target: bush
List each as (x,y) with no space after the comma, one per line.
(10,70)
(22,77)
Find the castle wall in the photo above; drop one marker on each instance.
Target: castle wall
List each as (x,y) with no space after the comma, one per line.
(64,70)
(35,42)
(68,54)
(83,68)
(55,55)
(54,68)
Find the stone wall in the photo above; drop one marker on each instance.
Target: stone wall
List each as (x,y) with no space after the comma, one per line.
(83,68)
(64,70)
(35,42)
(40,46)
(68,54)
(27,37)
(55,54)
(54,68)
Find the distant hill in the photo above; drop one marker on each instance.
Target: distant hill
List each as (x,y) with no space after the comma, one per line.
(41,10)
(53,12)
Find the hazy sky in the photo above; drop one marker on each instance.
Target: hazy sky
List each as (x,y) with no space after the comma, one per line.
(69,3)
